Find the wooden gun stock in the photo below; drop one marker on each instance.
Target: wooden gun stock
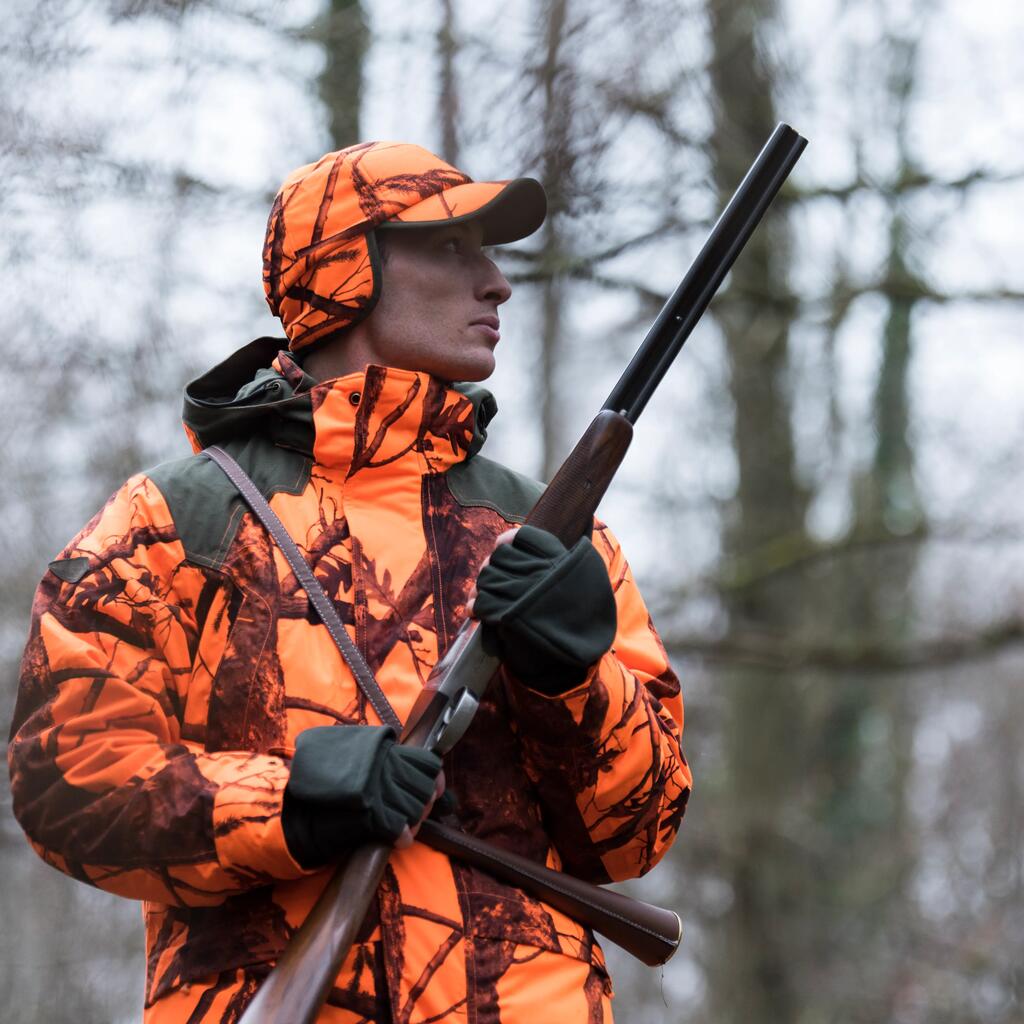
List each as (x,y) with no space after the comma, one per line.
(301,980)
(567,506)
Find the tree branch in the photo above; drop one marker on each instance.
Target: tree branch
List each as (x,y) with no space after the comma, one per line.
(910,180)
(777,654)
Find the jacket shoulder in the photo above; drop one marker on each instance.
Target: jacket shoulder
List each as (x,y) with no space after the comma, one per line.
(480,482)
(204,505)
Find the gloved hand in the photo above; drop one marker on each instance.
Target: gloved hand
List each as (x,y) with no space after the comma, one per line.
(351,784)
(547,612)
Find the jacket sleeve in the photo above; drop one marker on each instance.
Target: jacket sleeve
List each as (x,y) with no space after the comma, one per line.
(104,785)
(605,757)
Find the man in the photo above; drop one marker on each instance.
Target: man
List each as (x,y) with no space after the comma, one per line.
(188,734)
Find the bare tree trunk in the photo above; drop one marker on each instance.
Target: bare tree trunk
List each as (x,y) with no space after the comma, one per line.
(818,802)
(345,37)
(753,973)
(869,784)
(555,176)
(889,495)
(448,101)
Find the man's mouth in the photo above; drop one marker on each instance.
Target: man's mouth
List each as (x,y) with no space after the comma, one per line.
(490,325)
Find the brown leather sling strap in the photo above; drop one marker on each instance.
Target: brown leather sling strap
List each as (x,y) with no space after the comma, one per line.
(317,596)
(646,931)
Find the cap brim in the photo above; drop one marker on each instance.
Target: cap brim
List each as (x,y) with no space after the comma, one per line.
(508,210)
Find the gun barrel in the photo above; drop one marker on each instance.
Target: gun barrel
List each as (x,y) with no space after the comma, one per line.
(680,314)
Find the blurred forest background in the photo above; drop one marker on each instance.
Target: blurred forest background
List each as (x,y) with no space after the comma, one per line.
(823,501)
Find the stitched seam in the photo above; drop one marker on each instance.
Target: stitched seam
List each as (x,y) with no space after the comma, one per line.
(230,530)
(305,465)
(484,503)
(467,502)
(435,572)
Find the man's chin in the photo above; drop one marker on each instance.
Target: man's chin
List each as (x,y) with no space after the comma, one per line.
(478,367)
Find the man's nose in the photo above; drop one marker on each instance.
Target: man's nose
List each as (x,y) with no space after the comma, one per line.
(492,284)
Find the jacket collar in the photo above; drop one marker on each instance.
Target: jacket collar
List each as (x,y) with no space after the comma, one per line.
(398,415)
(366,421)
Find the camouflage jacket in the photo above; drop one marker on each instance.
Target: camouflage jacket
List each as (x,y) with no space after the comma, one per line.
(173,660)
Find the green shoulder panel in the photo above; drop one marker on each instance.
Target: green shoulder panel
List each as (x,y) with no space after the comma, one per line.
(204,504)
(484,483)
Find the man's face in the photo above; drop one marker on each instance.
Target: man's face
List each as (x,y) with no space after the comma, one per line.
(438,306)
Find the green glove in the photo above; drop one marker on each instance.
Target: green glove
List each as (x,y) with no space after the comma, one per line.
(548,613)
(350,784)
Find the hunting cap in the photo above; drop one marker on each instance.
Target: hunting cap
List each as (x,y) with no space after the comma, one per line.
(321,266)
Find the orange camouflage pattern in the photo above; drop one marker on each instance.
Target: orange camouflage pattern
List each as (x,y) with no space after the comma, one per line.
(319,255)
(162,693)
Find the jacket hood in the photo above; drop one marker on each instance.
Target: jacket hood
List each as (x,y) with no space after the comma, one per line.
(247,394)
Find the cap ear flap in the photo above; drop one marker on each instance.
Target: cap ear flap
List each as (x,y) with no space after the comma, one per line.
(312,315)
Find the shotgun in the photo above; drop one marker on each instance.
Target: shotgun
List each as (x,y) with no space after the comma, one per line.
(297,987)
